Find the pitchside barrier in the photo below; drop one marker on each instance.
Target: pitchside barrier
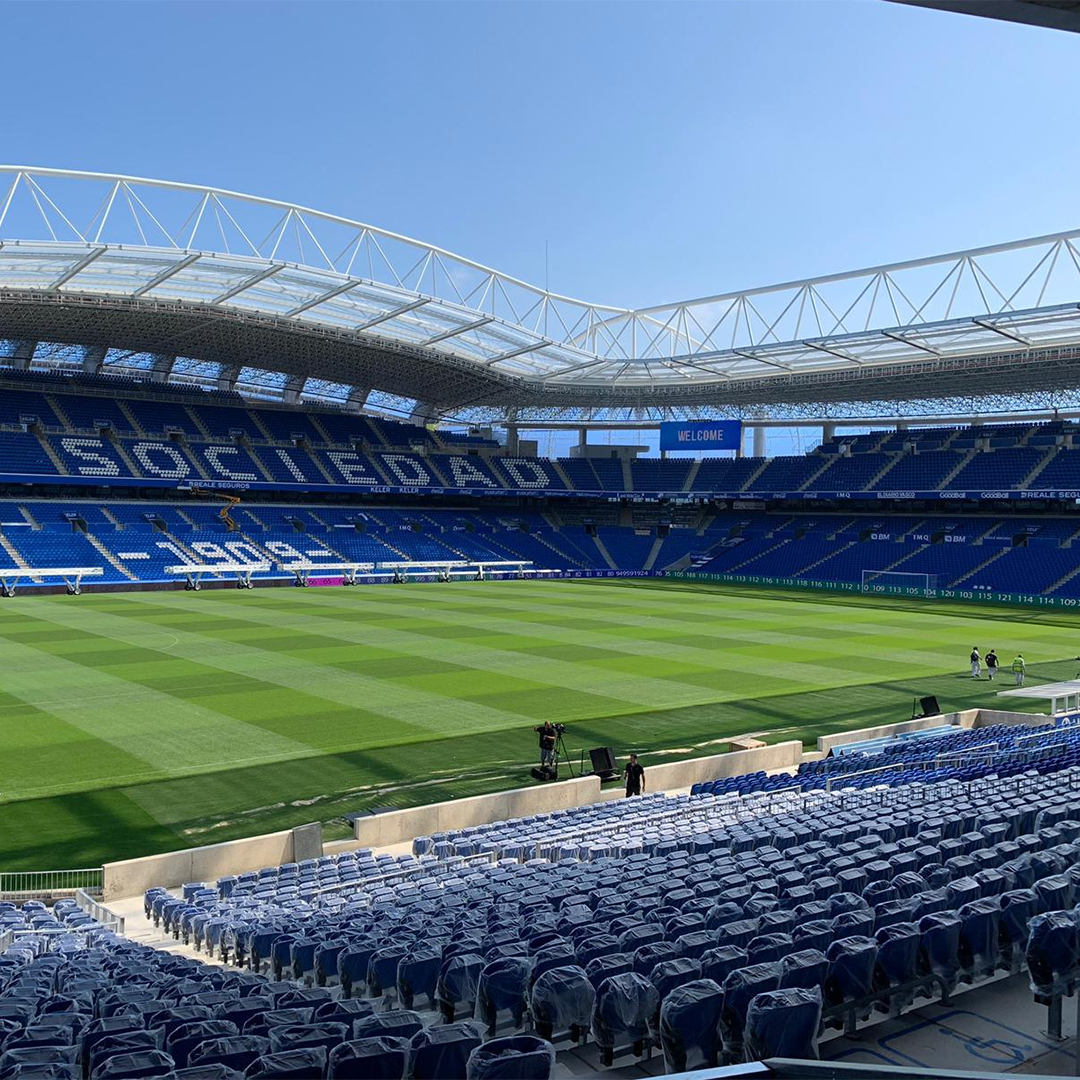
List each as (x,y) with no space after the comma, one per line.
(978,596)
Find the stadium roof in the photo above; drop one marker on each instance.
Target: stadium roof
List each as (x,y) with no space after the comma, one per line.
(251,283)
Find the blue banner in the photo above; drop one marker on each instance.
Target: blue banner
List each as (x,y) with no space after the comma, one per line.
(701,435)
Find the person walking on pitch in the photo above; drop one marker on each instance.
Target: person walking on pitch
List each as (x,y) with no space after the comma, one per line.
(991,665)
(976,663)
(1019,669)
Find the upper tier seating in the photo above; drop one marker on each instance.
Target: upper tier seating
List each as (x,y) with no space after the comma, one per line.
(23,453)
(19,405)
(91,413)
(223,423)
(351,448)
(725,474)
(924,471)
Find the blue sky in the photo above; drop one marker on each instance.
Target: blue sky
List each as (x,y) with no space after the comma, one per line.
(664,150)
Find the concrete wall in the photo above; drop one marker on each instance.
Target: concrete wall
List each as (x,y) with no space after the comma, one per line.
(682,774)
(967,718)
(132,877)
(986,717)
(826,743)
(380,830)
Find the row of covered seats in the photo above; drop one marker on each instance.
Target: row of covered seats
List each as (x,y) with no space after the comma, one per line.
(859,898)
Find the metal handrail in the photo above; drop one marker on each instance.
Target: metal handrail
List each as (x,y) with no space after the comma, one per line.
(37,884)
(105,916)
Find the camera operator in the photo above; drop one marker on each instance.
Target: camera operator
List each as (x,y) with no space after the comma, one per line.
(548,733)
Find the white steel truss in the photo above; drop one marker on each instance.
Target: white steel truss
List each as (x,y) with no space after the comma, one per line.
(102,237)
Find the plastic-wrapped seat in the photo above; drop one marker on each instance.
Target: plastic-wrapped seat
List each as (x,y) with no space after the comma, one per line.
(1055,893)
(517,1057)
(441,1052)
(740,987)
(302,1063)
(813,934)
(603,967)
(1053,954)
(718,963)
(596,945)
(503,987)
(32,1058)
(783,1024)
(558,954)
(458,980)
(418,974)
(979,937)
(235,1051)
(851,970)
(690,1026)
(181,1040)
(562,1000)
(352,968)
(131,1066)
(296,1036)
(382,969)
(1018,908)
(383,1057)
(803,970)
(939,950)
(897,960)
(853,924)
(402,1023)
(122,1042)
(625,1005)
(669,974)
(768,947)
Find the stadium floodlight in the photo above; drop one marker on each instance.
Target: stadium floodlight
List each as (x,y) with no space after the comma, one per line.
(71,577)
(195,572)
(897,583)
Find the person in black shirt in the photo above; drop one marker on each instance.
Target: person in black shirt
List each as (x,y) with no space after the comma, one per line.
(547,734)
(991,665)
(635,777)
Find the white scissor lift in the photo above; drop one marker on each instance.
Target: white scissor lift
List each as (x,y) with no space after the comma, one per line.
(12,577)
(303,570)
(399,572)
(195,572)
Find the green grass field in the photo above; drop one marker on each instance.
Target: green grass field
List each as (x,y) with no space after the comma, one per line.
(141,722)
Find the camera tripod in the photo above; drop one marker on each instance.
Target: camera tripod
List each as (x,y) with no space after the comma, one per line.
(561,752)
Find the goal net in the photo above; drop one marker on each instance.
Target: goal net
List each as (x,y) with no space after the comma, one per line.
(896,583)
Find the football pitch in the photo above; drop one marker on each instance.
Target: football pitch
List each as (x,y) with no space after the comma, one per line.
(146,721)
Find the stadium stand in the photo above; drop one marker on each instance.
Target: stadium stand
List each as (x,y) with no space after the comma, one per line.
(785,907)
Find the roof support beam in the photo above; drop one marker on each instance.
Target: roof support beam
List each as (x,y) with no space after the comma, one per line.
(907,341)
(76,268)
(93,358)
(987,325)
(388,315)
(247,283)
(167,273)
(832,352)
(290,392)
(162,366)
(22,354)
(459,330)
(315,301)
(517,352)
(226,380)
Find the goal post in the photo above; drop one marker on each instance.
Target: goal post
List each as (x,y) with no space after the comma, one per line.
(897,583)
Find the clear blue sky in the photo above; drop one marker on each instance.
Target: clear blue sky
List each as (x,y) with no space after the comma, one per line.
(665,149)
